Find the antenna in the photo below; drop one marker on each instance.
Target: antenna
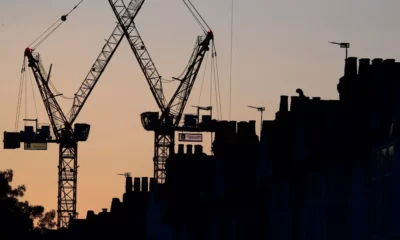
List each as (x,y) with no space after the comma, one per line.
(128,182)
(260,109)
(342,45)
(208,108)
(128,174)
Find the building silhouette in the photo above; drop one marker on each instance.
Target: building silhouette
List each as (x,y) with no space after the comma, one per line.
(322,169)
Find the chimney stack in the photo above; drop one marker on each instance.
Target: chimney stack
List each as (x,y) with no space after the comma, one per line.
(181,149)
(198,149)
(128,184)
(220,130)
(252,128)
(350,69)
(389,61)
(241,130)
(104,210)
(145,184)
(136,185)
(363,67)
(153,183)
(189,149)
(231,125)
(90,214)
(377,61)
(284,105)
(115,205)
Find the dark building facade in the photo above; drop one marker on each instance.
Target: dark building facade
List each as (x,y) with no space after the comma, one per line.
(323,169)
(126,218)
(329,167)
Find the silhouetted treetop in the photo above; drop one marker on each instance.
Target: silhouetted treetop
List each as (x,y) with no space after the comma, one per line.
(17,216)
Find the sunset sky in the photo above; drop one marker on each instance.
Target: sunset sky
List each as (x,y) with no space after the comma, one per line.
(278,46)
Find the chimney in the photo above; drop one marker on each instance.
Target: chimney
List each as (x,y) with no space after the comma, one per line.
(231,128)
(128,184)
(220,130)
(350,69)
(153,183)
(145,184)
(241,131)
(181,149)
(377,61)
(90,214)
(115,205)
(104,210)
(284,105)
(136,185)
(316,98)
(189,149)
(198,149)
(252,128)
(363,67)
(389,61)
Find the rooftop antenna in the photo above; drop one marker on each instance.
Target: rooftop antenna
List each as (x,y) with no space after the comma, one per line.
(342,45)
(128,182)
(261,110)
(128,174)
(208,108)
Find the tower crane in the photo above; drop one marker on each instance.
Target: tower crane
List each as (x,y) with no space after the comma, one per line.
(165,125)
(65,134)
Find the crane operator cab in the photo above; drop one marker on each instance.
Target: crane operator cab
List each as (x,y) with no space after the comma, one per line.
(81,132)
(150,120)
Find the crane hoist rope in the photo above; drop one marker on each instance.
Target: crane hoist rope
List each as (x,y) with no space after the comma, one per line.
(200,20)
(46,34)
(204,76)
(33,46)
(216,82)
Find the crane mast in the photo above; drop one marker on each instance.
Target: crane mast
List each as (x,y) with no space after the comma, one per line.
(66,136)
(171,113)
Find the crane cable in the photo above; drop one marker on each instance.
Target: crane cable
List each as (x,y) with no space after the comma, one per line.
(21,86)
(33,95)
(24,84)
(203,24)
(23,78)
(215,80)
(217,86)
(231,62)
(51,29)
(202,81)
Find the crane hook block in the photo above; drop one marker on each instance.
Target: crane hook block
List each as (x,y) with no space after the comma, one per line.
(64,18)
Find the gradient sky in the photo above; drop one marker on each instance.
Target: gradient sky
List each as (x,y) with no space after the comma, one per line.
(278,47)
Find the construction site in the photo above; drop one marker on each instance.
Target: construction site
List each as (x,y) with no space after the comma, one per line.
(321,169)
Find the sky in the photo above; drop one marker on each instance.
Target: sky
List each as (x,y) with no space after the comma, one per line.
(278,46)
